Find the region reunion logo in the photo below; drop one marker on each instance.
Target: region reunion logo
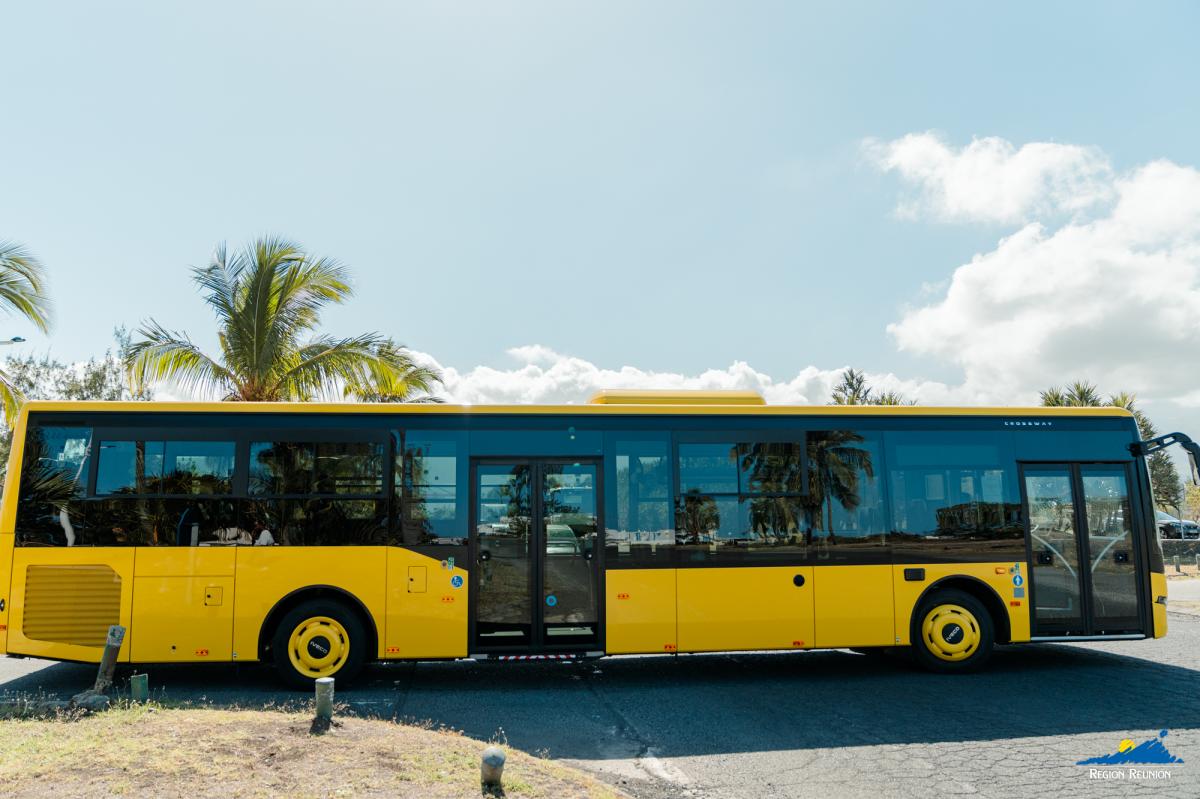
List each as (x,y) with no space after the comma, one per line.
(1151,751)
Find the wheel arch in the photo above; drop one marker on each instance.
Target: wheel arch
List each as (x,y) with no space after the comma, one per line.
(980,590)
(314,592)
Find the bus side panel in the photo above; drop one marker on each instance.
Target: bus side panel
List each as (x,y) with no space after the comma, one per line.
(854,606)
(8,523)
(639,611)
(63,601)
(738,608)
(183,604)
(999,576)
(266,575)
(6,551)
(426,607)
(1158,588)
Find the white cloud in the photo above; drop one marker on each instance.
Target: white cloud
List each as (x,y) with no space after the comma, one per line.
(991,180)
(1113,298)
(541,375)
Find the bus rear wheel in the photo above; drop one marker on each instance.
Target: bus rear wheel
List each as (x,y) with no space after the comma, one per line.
(952,632)
(316,639)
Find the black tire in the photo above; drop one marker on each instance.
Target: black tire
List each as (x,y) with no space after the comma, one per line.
(346,648)
(958,639)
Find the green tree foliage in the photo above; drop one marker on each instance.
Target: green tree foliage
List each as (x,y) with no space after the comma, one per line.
(853,389)
(44,378)
(1164,477)
(22,292)
(268,300)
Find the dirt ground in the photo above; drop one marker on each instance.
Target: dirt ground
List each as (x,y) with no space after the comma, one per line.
(149,751)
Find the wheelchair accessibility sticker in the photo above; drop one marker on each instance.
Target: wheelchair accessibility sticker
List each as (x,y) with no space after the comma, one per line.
(456,581)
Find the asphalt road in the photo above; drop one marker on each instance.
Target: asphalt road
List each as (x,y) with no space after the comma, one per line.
(815,724)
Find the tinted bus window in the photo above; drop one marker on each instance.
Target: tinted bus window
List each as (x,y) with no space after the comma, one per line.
(638,510)
(954,496)
(54,475)
(324,493)
(845,498)
(741,498)
(296,467)
(430,488)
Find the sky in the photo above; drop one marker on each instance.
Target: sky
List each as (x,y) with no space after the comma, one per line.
(969,202)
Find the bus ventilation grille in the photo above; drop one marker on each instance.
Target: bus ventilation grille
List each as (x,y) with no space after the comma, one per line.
(71,604)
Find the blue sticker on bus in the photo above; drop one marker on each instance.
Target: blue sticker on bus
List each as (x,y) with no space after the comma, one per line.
(1018,580)
(552,600)
(1018,593)
(456,581)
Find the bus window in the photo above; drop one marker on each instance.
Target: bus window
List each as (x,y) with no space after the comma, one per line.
(741,499)
(314,494)
(53,483)
(641,530)
(954,496)
(845,497)
(430,487)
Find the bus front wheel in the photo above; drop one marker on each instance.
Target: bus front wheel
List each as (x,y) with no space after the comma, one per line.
(952,632)
(315,639)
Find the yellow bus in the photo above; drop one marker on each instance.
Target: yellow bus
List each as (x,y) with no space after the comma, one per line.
(319,537)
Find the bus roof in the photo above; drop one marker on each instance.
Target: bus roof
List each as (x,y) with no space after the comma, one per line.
(610,406)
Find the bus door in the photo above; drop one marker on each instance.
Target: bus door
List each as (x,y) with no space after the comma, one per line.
(1083,554)
(535,548)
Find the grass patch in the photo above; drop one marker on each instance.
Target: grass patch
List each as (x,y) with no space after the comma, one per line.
(148,750)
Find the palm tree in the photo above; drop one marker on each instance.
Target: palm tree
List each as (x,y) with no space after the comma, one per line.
(853,389)
(22,291)
(268,300)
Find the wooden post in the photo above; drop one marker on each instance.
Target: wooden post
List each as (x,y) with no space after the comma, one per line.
(491,768)
(108,661)
(139,688)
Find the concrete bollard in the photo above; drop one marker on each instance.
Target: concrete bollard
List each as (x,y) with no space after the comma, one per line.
(108,660)
(1198,563)
(325,699)
(1178,569)
(491,767)
(139,688)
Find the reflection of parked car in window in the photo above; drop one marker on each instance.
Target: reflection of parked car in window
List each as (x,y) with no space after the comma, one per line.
(1170,527)
(561,540)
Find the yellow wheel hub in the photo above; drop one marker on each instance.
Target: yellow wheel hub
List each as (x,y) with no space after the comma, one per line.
(950,632)
(319,646)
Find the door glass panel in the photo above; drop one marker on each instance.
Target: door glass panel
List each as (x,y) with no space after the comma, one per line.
(1055,548)
(504,519)
(1110,545)
(569,528)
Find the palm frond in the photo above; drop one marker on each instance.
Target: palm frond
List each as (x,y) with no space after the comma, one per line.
(163,355)
(23,285)
(10,399)
(324,366)
(393,376)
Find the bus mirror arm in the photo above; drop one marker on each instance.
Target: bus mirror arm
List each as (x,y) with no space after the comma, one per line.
(1149,447)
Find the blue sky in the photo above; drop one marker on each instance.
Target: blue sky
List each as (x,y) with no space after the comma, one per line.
(668,187)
